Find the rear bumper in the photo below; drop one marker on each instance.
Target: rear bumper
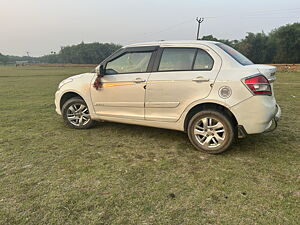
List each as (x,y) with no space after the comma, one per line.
(274,121)
(258,114)
(278,114)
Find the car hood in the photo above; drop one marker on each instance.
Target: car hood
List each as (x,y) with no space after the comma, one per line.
(78,75)
(75,77)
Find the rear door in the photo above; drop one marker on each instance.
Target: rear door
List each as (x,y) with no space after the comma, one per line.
(182,75)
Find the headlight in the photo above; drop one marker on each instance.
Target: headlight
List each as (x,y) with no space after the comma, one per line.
(68,80)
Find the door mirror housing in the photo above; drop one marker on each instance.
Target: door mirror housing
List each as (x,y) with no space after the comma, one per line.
(100,70)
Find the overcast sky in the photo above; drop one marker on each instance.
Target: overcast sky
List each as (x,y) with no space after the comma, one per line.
(42,26)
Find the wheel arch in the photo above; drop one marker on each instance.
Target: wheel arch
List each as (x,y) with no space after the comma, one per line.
(68,95)
(208,105)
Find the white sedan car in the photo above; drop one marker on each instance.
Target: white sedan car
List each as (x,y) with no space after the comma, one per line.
(206,89)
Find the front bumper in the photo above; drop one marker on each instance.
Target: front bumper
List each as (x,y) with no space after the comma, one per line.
(57,102)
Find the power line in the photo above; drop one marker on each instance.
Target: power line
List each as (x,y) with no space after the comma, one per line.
(271,17)
(264,12)
(256,14)
(167,28)
(275,10)
(222,16)
(278,13)
(261,16)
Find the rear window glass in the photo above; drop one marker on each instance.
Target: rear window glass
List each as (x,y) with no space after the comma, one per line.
(177,59)
(240,58)
(203,61)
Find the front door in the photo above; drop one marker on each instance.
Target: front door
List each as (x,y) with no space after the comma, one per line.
(182,76)
(123,91)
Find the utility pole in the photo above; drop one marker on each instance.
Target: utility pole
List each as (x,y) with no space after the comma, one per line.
(199,20)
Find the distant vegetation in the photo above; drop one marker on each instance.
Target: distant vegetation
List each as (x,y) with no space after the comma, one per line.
(282,45)
(4,59)
(92,53)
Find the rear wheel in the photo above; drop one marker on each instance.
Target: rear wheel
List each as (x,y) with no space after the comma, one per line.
(211,131)
(76,114)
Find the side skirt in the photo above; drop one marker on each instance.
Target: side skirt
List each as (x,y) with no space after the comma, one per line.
(165,125)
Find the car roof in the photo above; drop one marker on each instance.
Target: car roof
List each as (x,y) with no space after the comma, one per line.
(162,42)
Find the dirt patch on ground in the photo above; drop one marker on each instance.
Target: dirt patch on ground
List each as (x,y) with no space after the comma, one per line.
(287,67)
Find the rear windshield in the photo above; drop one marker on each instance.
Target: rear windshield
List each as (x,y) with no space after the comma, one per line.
(240,58)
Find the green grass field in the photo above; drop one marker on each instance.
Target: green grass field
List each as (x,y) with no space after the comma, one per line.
(124,174)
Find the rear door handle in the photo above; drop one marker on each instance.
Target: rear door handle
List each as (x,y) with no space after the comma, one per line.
(200,79)
(139,80)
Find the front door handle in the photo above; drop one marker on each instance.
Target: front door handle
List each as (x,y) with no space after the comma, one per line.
(139,80)
(200,79)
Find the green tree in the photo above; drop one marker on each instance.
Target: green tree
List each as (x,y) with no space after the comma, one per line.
(282,45)
(286,43)
(3,59)
(82,53)
(255,47)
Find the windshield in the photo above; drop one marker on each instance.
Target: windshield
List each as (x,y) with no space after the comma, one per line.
(240,58)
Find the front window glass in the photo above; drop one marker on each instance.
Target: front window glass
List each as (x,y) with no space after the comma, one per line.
(135,62)
(177,59)
(239,57)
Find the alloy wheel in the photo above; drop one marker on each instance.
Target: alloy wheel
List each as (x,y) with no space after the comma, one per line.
(209,132)
(78,114)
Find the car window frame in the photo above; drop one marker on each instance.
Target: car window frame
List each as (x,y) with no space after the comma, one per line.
(123,51)
(160,53)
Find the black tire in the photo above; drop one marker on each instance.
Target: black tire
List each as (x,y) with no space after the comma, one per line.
(82,123)
(211,139)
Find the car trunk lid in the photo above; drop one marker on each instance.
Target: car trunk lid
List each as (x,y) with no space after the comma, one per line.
(267,71)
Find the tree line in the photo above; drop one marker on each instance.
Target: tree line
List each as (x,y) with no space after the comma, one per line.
(92,53)
(282,45)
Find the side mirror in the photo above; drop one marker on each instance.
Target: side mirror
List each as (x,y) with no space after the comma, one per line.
(100,70)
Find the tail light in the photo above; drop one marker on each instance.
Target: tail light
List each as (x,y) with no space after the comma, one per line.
(258,85)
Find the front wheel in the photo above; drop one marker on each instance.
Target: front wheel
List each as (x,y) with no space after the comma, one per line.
(76,114)
(211,131)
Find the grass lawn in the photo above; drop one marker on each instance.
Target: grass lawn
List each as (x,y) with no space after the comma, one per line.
(125,174)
